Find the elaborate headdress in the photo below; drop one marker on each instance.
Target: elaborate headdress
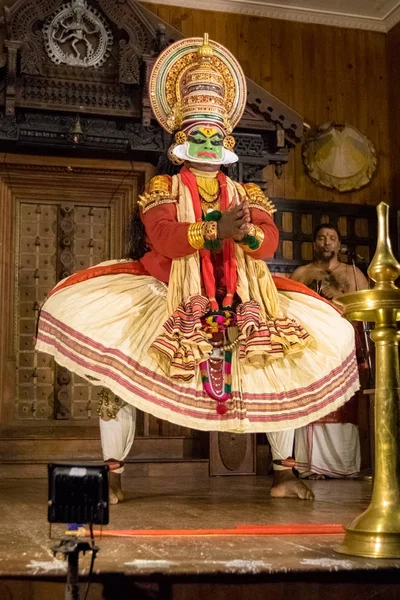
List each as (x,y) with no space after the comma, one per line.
(198,91)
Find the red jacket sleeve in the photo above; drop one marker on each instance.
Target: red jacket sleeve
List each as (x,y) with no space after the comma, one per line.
(271,235)
(165,234)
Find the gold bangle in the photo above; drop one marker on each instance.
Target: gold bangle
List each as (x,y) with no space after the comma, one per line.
(195,235)
(259,234)
(211,230)
(252,230)
(256,232)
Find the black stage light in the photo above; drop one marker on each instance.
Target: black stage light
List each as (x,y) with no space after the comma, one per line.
(78,494)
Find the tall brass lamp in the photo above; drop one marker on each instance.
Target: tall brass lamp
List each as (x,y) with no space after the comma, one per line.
(376,532)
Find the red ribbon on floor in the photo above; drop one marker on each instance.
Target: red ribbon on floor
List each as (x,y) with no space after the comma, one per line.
(239,530)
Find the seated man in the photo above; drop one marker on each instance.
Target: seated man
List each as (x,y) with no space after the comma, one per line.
(330,446)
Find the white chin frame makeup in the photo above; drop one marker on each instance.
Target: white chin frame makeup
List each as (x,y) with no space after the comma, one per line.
(182,151)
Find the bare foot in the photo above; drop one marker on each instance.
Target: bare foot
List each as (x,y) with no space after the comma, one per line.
(316,477)
(286,485)
(115,489)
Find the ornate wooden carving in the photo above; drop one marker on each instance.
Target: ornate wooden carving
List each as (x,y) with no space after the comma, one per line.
(12,49)
(66,229)
(132,49)
(118,89)
(278,114)
(33,56)
(107,89)
(146,106)
(123,136)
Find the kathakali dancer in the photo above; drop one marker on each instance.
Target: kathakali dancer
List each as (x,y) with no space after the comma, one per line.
(192,328)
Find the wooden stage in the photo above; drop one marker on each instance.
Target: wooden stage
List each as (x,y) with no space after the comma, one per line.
(235,567)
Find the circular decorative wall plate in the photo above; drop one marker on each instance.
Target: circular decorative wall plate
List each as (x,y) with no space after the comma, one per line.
(339,157)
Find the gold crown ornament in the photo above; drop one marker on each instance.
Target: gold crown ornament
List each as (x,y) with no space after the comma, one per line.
(229,142)
(196,82)
(180,137)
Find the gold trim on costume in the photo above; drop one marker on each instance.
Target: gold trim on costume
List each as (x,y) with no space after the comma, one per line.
(256,232)
(109,405)
(211,230)
(257,198)
(208,189)
(180,137)
(159,183)
(195,235)
(158,191)
(148,201)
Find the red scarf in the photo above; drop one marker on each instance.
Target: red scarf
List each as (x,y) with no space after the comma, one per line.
(228,247)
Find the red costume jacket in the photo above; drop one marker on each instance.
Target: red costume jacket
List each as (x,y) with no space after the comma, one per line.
(168,239)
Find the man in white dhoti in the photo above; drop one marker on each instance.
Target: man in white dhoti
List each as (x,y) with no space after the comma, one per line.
(330,447)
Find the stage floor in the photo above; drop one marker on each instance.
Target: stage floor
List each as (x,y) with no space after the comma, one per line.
(188,503)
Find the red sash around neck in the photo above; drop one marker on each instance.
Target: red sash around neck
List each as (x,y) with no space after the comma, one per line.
(228,247)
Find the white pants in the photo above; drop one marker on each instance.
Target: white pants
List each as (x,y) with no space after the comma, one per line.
(117,435)
(281,443)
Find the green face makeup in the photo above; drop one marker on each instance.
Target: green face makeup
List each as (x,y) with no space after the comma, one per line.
(205,143)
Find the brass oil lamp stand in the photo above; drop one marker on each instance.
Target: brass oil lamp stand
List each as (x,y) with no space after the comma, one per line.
(376,532)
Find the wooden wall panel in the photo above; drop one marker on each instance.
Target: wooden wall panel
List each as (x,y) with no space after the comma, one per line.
(7,267)
(324,73)
(394,108)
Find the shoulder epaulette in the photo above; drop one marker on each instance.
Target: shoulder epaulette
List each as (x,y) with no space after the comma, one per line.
(257,198)
(158,191)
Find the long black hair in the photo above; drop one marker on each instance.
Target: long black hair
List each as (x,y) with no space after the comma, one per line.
(138,245)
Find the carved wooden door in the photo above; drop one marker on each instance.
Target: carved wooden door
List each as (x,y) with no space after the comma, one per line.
(54,238)
(65,217)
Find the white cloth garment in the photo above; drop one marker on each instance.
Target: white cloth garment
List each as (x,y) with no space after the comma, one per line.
(117,435)
(331,449)
(281,443)
(107,342)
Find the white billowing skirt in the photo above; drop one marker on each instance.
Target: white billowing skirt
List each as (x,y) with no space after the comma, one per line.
(102,328)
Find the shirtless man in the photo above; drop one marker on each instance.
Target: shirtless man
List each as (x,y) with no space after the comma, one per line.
(335,447)
(326,275)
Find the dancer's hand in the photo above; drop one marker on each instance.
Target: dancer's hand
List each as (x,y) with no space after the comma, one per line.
(247,221)
(235,222)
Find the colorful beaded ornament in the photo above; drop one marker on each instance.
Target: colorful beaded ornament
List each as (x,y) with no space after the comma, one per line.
(216,372)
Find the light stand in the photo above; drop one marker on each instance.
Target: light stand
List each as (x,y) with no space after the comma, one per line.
(353,257)
(366,474)
(77,494)
(71,548)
